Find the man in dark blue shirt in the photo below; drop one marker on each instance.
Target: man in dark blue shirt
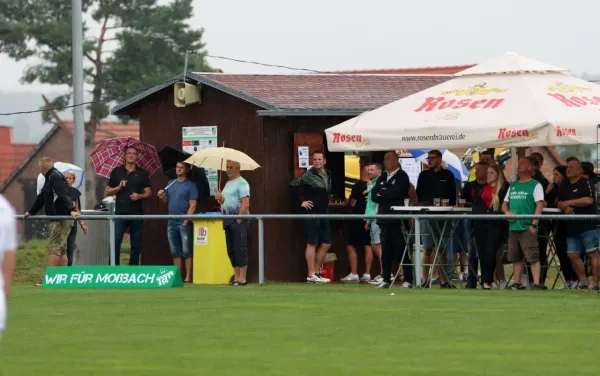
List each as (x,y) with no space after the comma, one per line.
(181,195)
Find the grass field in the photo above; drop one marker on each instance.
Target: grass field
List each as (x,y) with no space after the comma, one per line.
(299,329)
(293,329)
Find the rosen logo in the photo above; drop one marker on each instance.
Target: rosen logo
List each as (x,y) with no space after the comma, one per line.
(339,138)
(560,87)
(575,101)
(523,134)
(562,132)
(479,89)
(440,103)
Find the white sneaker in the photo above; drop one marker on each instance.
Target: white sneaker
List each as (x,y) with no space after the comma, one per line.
(406,285)
(365,277)
(377,280)
(574,285)
(316,278)
(350,278)
(502,285)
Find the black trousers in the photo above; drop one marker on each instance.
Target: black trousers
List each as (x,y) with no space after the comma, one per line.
(489,236)
(71,244)
(560,241)
(392,249)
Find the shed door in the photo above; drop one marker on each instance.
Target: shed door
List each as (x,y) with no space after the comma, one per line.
(314,141)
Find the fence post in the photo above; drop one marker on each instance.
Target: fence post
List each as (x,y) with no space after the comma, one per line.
(417,256)
(261,251)
(111,234)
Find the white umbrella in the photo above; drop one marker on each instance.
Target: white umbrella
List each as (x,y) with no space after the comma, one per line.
(510,101)
(63,168)
(216,158)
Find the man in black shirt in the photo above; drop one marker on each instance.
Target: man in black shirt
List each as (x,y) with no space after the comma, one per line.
(435,182)
(131,184)
(54,199)
(543,225)
(358,236)
(470,192)
(390,190)
(577,196)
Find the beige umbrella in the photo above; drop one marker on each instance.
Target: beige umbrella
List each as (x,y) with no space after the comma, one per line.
(216,158)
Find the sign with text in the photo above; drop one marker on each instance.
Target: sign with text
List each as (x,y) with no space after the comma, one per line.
(112,277)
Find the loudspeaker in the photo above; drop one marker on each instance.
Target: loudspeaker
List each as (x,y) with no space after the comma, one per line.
(186,94)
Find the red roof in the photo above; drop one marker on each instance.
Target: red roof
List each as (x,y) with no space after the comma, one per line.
(11,155)
(322,91)
(451,69)
(111,129)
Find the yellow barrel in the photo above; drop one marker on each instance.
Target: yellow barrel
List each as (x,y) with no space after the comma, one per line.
(211,263)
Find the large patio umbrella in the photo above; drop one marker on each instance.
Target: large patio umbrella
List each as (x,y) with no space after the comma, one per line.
(509,101)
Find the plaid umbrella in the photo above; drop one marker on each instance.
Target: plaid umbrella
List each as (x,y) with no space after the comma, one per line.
(111,153)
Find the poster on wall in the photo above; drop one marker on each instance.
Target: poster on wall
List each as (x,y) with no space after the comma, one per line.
(194,139)
(412,167)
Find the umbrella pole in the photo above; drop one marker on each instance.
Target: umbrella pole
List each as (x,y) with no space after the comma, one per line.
(220,172)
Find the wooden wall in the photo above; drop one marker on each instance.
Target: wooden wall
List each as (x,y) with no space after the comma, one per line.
(269,141)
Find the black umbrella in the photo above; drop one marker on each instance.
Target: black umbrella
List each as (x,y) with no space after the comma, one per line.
(169,156)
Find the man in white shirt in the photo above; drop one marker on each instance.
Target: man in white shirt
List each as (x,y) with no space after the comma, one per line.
(8,245)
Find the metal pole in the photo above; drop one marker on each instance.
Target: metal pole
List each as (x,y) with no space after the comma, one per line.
(111,234)
(417,256)
(514,162)
(78,122)
(261,252)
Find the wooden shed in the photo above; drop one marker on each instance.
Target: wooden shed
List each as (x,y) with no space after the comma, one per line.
(267,117)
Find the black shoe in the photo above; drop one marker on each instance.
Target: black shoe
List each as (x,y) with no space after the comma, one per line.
(517,286)
(447,286)
(240,284)
(425,285)
(537,287)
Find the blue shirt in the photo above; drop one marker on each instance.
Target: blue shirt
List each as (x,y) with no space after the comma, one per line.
(179,195)
(233,192)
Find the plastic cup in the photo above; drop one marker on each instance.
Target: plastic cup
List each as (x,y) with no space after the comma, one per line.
(436,202)
(462,202)
(445,202)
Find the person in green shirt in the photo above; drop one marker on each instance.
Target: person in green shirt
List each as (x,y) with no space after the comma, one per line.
(374,171)
(524,197)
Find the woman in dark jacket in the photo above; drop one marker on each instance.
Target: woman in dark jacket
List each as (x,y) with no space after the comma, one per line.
(560,236)
(490,234)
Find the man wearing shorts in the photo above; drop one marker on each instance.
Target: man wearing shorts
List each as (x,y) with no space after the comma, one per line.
(55,200)
(181,195)
(316,183)
(374,170)
(358,235)
(8,246)
(576,195)
(524,197)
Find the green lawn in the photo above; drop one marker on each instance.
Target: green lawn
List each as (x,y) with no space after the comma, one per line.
(299,329)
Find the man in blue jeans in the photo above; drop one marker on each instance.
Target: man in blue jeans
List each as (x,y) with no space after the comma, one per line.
(182,197)
(131,184)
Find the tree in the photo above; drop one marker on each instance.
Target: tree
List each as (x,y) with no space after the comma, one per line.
(129,45)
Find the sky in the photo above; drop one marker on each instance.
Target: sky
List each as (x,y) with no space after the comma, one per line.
(352,34)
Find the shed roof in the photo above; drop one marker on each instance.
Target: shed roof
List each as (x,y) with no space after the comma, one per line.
(302,94)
